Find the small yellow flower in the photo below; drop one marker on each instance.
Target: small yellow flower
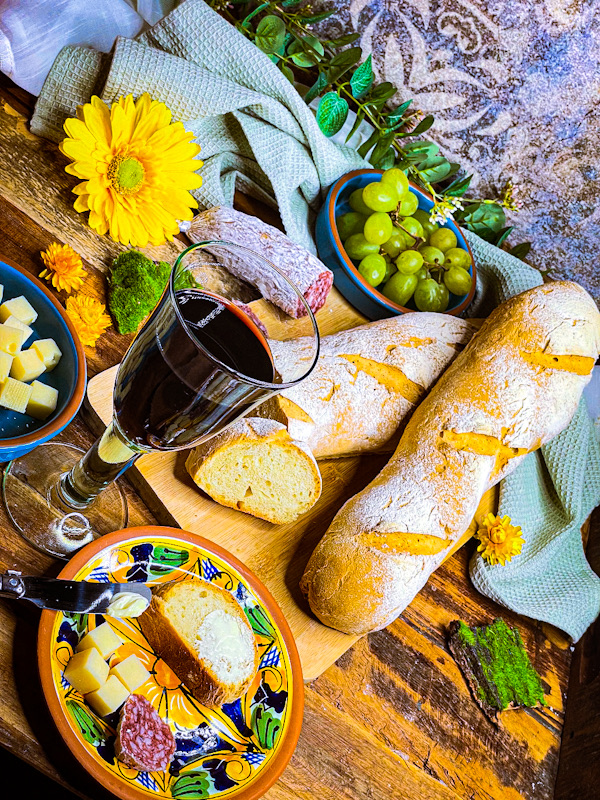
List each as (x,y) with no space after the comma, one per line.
(89,318)
(500,540)
(63,267)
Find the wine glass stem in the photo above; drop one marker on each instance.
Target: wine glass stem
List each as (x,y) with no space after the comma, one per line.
(106,459)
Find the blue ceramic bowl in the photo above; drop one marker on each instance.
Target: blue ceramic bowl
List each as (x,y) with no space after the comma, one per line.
(347,278)
(20,433)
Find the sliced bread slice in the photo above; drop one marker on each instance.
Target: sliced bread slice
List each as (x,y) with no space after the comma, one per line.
(256,467)
(204,636)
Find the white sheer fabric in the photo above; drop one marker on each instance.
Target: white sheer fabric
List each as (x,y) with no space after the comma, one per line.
(32,32)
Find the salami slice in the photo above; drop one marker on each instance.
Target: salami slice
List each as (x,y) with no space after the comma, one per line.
(312,278)
(144,740)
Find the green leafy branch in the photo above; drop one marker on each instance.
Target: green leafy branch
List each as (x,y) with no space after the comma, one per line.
(336,74)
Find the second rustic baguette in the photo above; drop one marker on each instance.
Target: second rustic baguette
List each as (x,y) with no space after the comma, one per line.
(514,387)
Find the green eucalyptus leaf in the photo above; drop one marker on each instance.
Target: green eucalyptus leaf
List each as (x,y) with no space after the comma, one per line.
(347,58)
(331,113)
(317,87)
(306,52)
(431,162)
(458,187)
(423,126)
(454,168)
(435,174)
(395,118)
(503,235)
(520,250)
(381,149)
(342,41)
(484,219)
(287,72)
(420,150)
(246,21)
(366,146)
(317,17)
(362,79)
(388,159)
(270,34)
(383,92)
(360,115)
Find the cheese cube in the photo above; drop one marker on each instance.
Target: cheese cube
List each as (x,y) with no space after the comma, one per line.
(86,671)
(108,698)
(103,638)
(43,399)
(26,366)
(48,351)
(131,672)
(5,363)
(14,395)
(10,339)
(21,308)
(13,322)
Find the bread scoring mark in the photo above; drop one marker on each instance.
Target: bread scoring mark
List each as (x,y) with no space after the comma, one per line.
(481,444)
(391,377)
(413,544)
(579,365)
(415,341)
(293,411)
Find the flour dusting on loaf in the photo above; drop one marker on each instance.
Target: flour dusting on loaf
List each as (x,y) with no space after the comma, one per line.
(493,405)
(367,380)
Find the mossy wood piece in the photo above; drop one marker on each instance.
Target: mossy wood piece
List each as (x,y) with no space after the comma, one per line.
(135,285)
(496,666)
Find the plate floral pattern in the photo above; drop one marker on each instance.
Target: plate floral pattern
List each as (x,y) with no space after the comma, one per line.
(219,752)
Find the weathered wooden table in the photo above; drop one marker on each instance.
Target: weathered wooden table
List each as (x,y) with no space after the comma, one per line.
(393,717)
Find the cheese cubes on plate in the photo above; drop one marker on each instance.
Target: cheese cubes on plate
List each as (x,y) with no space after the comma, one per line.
(20,390)
(104,688)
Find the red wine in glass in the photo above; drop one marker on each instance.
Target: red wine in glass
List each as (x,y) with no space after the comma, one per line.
(190,373)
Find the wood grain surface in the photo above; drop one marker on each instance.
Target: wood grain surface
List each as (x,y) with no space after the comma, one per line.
(392,718)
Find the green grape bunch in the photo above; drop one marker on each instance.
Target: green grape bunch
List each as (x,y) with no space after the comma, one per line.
(399,250)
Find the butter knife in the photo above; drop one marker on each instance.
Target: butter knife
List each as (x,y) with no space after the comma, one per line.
(83,597)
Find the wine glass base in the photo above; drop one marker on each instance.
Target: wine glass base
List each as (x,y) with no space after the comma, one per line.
(33,505)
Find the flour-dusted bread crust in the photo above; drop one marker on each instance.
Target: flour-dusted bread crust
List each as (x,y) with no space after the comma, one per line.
(515,386)
(256,467)
(202,633)
(367,381)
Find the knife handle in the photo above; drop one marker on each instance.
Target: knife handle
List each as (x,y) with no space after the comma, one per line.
(11,584)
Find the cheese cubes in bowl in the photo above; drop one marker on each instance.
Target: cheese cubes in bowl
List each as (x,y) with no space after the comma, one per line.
(63,378)
(23,360)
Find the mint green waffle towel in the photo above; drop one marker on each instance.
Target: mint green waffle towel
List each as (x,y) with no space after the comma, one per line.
(256,132)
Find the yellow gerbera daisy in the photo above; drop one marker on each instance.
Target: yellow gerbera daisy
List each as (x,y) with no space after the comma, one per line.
(138,169)
(500,540)
(89,318)
(63,267)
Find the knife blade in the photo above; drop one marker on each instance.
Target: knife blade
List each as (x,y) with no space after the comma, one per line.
(83,597)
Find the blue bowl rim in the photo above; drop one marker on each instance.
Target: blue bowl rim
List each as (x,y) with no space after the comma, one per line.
(352,271)
(66,415)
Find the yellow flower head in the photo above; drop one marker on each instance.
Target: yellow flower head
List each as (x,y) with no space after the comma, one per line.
(500,540)
(63,267)
(137,166)
(89,318)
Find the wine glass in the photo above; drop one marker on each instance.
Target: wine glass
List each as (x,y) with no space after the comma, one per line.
(213,349)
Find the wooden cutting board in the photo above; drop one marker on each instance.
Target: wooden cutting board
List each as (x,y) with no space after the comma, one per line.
(277,554)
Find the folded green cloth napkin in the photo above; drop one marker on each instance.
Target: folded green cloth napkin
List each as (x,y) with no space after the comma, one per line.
(252,125)
(255,130)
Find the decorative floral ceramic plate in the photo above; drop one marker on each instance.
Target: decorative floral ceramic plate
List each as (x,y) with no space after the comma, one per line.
(235,751)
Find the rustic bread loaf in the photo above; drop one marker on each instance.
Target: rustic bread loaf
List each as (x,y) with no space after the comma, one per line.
(202,633)
(367,380)
(515,386)
(256,467)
